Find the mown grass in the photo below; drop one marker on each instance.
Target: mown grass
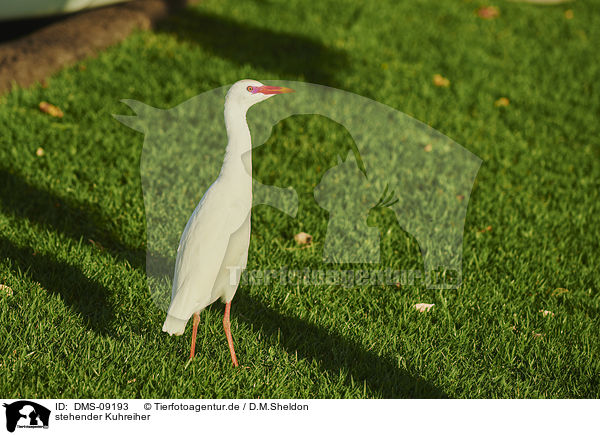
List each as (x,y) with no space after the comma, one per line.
(80,322)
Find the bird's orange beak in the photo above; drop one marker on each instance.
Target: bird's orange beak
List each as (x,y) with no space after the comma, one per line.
(268,90)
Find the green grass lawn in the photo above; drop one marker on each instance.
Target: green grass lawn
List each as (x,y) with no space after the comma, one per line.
(80,321)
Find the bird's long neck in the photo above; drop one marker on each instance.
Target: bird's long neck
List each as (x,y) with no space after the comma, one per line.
(238,156)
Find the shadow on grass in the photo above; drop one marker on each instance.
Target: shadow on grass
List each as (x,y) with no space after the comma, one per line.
(334,352)
(79,292)
(77,220)
(284,54)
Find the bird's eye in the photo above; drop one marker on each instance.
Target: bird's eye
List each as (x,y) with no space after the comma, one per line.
(249,88)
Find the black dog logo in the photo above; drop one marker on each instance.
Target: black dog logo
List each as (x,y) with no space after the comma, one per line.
(27,413)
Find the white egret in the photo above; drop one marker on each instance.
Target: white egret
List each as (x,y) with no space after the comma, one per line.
(217,235)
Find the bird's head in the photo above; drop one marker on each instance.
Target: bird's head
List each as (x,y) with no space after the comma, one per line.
(247,93)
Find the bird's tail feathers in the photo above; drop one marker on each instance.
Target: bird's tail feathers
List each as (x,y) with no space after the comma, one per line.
(174,326)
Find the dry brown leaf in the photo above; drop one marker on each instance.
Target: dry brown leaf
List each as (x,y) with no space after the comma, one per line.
(559,291)
(51,109)
(502,102)
(441,81)
(486,229)
(96,244)
(488,12)
(428,148)
(6,290)
(422,308)
(547,313)
(569,14)
(460,197)
(303,238)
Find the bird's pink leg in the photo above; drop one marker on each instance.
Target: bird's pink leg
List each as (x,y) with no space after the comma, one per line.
(194,331)
(227,326)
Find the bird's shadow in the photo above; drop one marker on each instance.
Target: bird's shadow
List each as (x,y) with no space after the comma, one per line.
(333,351)
(285,54)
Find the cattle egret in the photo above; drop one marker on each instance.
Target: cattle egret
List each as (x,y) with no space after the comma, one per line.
(216,238)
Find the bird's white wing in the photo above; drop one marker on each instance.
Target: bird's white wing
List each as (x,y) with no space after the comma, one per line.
(201,251)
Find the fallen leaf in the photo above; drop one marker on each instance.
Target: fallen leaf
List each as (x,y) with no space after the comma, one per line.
(303,238)
(569,14)
(537,334)
(502,102)
(6,289)
(428,148)
(39,152)
(51,109)
(82,67)
(488,12)
(547,313)
(441,81)
(422,308)
(460,197)
(96,244)
(486,229)
(559,291)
